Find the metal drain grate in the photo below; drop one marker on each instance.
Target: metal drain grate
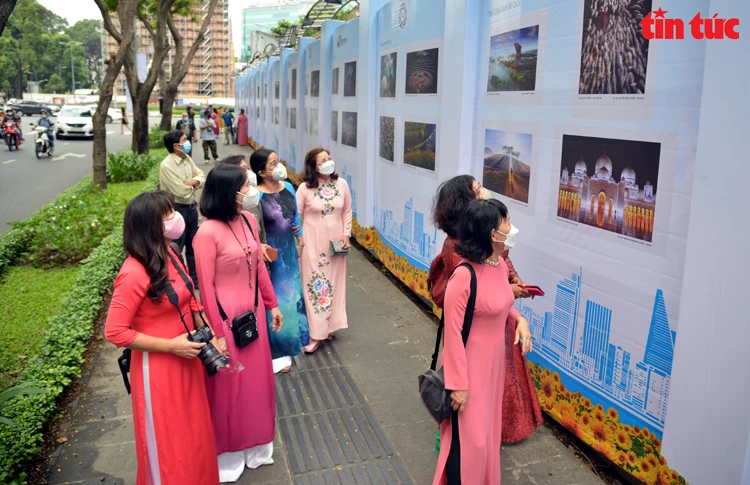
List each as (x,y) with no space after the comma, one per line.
(330,434)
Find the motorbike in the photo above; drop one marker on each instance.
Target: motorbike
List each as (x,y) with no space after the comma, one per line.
(10,135)
(41,140)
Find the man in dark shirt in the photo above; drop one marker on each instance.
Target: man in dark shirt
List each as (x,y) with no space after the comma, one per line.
(187,126)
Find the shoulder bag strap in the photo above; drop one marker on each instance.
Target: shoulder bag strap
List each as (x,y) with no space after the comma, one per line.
(468,316)
(257,268)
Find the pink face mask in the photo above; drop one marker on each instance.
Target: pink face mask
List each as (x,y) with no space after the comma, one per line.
(174,227)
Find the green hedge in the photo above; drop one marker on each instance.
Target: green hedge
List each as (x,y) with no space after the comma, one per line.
(62,355)
(65,342)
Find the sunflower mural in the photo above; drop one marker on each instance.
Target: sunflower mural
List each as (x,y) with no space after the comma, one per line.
(632,448)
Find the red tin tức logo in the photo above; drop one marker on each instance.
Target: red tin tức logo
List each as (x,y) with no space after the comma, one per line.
(655,26)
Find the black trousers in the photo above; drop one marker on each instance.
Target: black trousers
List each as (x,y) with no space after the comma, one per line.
(453,465)
(190,214)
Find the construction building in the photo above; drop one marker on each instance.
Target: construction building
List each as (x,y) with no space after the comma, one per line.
(211,73)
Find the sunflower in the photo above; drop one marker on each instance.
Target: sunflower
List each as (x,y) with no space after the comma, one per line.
(566,409)
(664,477)
(599,415)
(585,419)
(645,466)
(623,440)
(653,461)
(549,406)
(600,432)
(571,424)
(548,387)
(600,407)
(632,459)
(662,461)
(645,432)
(621,458)
(605,450)
(613,414)
(556,376)
(636,429)
(656,441)
(626,428)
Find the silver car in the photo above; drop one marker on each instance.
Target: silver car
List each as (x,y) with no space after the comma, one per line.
(74,121)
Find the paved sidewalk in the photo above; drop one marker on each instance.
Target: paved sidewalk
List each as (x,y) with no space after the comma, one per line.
(348,414)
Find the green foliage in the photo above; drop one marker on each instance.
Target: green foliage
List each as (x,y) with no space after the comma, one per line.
(20,390)
(12,244)
(27,297)
(282,27)
(55,85)
(156,137)
(129,167)
(61,357)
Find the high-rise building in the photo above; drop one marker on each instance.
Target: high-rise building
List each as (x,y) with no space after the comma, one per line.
(263,15)
(210,73)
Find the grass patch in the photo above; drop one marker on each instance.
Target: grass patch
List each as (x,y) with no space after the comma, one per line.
(28,296)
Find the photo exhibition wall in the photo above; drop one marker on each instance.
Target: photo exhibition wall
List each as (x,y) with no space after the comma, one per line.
(584,129)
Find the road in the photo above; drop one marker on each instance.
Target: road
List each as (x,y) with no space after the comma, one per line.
(27,184)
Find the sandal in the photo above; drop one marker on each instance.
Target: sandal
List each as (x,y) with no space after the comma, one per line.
(310,349)
(286,370)
(330,336)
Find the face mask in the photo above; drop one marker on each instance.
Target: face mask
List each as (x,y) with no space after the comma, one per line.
(250,200)
(252,178)
(487,195)
(186,147)
(279,173)
(174,227)
(44,117)
(327,168)
(510,238)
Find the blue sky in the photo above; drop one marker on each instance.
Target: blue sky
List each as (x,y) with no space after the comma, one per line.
(502,44)
(495,140)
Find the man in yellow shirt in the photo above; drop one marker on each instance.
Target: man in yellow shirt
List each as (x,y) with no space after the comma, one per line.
(179,176)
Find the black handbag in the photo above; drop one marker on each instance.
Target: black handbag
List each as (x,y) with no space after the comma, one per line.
(244,327)
(435,396)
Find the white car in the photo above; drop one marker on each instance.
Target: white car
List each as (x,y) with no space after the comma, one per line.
(74,121)
(113,114)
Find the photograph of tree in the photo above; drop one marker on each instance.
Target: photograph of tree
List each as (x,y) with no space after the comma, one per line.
(422,71)
(388,64)
(349,129)
(335,81)
(315,84)
(387,137)
(506,168)
(420,141)
(513,60)
(350,79)
(335,125)
(614,53)
(610,184)
(294,84)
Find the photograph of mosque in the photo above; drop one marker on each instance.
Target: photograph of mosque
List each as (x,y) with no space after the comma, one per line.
(610,184)
(614,53)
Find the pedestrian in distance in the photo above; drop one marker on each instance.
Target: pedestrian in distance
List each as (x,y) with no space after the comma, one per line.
(242,128)
(208,130)
(228,119)
(179,176)
(325,205)
(170,407)
(124,122)
(474,368)
(186,125)
(234,282)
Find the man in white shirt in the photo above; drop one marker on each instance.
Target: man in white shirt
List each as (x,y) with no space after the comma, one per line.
(179,176)
(208,129)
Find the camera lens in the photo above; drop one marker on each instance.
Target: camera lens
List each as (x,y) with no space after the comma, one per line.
(209,355)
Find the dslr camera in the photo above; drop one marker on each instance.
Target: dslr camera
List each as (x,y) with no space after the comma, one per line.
(209,355)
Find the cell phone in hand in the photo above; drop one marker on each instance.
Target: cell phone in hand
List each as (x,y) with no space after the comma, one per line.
(533,290)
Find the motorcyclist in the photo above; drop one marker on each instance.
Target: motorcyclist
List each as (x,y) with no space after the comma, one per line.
(10,115)
(46,122)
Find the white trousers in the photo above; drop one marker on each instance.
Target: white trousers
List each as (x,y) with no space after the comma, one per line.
(280,363)
(232,464)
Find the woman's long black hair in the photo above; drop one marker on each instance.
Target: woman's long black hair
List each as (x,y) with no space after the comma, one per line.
(478,220)
(219,200)
(143,235)
(452,197)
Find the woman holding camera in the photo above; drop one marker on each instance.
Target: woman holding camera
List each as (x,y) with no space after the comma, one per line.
(325,203)
(229,260)
(173,434)
(475,374)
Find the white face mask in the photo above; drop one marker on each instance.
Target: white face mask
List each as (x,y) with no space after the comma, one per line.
(279,173)
(510,238)
(487,195)
(251,199)
(327,167)
(252,178)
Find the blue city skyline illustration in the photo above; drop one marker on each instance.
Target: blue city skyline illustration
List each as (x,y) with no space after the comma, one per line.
(408,236)
(348,179)
(639,390)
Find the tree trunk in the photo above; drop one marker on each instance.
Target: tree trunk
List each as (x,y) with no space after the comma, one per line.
(170,94)
(140,121)
(6,7)
(99,121)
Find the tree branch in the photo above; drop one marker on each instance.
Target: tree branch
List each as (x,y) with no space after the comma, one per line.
(178,43)
(148,25)
(185,66)
(108,25)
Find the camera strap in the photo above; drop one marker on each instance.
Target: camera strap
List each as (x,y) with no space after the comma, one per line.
(172,295)
(222,313)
